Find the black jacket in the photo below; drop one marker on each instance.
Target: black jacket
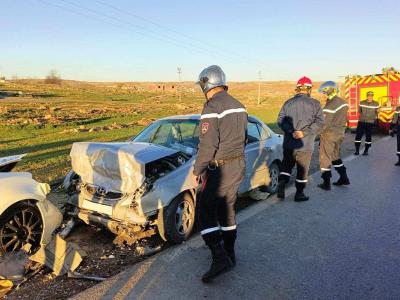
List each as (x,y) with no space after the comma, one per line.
(223,128)
(300,113)
(368,111)
(396,120)
(335,113)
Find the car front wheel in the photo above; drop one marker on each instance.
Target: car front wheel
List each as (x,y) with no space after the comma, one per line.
(19,225)
(272,188)
(179,219)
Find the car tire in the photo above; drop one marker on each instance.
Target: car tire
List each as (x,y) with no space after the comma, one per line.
(274,170)
(179,219)
(20,224)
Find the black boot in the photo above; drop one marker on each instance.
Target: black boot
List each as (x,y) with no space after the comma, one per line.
(229,244)
(300,197)
(281,189)
(220,262)
(343,179)
(357,149)
(398,163)
(367,146)
(326,184)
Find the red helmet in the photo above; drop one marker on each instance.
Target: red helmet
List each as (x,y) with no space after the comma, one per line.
(304,82)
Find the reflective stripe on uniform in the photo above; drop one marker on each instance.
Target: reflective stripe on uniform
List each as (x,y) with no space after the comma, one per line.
(336,110)
(338,166)
(284,173)
(223,114)
(367,106)
(228,228)
(357,141)
(208,230)
(302,181)
(368,143)
(324,169)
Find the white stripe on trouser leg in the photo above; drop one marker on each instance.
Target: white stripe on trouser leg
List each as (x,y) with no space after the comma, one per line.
(357,141)
(301,181)
(338,166)
(233,227)
(368,143)
(208,230)
(284,173)
(398,152)
(324,169)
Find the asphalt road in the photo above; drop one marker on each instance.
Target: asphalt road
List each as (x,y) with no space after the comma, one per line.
(342,244)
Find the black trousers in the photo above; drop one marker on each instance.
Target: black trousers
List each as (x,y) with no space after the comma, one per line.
(364,128)
(398,141)
(218,198)
(301,159)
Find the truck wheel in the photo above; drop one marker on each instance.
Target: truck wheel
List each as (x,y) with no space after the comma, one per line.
(20,224)
(272,188)
(179,219)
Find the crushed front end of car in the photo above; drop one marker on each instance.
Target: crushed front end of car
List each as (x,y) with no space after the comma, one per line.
(110,186)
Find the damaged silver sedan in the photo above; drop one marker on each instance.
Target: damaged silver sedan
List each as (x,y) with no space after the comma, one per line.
(26,216)
(143,186)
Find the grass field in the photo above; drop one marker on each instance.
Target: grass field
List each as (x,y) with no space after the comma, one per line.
(45,123)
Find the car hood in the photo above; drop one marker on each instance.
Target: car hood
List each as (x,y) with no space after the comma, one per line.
(115,166)
(8,163)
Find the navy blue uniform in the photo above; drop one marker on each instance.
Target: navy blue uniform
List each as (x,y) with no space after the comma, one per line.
(300,113)
(220,161)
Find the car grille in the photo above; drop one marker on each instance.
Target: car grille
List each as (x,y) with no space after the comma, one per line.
(100,192)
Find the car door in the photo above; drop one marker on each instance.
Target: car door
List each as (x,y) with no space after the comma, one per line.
(256,156)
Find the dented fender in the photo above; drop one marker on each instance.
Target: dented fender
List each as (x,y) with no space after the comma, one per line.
(20,186)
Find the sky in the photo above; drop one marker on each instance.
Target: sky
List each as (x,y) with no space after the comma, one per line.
(127,40)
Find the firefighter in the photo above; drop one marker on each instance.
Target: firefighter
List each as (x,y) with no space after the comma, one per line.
(395,128)
(220,168)
(301,119)
(332,135)
(368,115)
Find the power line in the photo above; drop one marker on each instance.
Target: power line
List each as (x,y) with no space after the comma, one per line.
(143,31)
(172,30)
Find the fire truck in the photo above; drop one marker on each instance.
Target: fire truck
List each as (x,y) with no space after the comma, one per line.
(386,88)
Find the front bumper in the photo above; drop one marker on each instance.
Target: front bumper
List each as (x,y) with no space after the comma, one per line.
(103,212)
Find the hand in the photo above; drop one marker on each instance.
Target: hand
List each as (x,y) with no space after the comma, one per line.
(391,133)
(196,179)
(298,134)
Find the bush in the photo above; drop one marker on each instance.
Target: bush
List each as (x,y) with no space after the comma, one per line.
(53,78)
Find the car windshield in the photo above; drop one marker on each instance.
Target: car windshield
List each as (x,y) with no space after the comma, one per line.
(180,135)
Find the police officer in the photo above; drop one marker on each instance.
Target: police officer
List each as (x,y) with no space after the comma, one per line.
(301,119)
(332,135)
(395,127)
(368,114)
(220,166)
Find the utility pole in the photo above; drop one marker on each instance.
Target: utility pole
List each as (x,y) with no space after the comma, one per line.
(259,88)
(179,71)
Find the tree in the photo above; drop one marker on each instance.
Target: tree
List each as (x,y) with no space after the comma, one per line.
(53,77)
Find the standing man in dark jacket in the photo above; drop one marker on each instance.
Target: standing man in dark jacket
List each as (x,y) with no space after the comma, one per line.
(368,114)
(220,165)
(332,135)
(395,128)
(301,120)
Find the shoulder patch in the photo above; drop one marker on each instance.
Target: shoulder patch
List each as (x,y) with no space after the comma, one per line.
(204,127)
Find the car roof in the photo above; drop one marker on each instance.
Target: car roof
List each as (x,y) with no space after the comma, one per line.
(197,117)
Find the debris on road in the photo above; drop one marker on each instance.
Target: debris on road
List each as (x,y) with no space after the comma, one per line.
(78,275)
(60,256)
(5,286)
(67,229)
